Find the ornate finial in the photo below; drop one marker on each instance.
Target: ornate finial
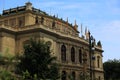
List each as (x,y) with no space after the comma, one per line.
(75,23)
(67,20)
(86,33)
(89,32)
(94,41)
(57,16)
(99,44)
(75,26)
(28,6)
(85,30)
(28,3)
(81,30)
(53,16)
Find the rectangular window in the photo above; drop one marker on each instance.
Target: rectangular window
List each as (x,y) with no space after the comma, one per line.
(6,22)
(13,22)
(99,78)
(80,56)
(21,21)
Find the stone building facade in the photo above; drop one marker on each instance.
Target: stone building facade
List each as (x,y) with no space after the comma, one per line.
(18,25)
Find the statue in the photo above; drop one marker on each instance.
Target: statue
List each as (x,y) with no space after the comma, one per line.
(53,24)
(36,20)
(42,20)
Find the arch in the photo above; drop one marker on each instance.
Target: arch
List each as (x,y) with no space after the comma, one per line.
(64,75)
(73,54)
(73,75)
(80,56)
(63,53)
(98,61)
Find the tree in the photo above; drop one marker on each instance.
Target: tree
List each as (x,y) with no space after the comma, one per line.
(37,60)
(112,69)
(7,66)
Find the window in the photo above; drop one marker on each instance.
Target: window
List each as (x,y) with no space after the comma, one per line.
(80,55)
(73,54)
(6,22)
(99,78)
(63,75)
(98,61)
(63,53)
(73,75)
(13,22)
(21,21)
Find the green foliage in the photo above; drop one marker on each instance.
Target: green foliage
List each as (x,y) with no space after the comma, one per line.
(37,60)
(112,69)
(6,75)
(84,76)
(26,75)
(6,63)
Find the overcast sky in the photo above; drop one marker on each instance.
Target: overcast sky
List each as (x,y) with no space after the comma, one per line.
(102,17)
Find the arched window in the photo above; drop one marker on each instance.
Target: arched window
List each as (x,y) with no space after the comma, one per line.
(64,77)
(63,53)
(80,55)
(73,54)
(98,61)
(73,75)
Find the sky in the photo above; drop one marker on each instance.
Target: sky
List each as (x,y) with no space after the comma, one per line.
(101,17)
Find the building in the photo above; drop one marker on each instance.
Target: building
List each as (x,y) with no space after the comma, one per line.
(18,25)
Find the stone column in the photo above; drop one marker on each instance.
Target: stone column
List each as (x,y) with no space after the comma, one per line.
(69,54)
(77,55)
(58,45)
